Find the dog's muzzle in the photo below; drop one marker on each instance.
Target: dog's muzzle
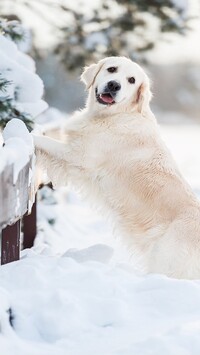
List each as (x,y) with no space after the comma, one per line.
(107,97)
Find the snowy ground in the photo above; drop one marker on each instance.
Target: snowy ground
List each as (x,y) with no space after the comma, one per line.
(77,293)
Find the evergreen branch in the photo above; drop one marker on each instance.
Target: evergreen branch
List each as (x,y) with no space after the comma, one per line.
(4,83)
(8,110)
(12,29)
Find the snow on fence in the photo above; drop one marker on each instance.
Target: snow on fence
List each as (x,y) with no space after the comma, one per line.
(16,191)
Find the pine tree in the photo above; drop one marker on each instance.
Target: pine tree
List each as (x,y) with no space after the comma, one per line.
(8,104)
(119,27)
(114,27)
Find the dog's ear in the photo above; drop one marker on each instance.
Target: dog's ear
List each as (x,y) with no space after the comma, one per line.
(143,97)
(89,74)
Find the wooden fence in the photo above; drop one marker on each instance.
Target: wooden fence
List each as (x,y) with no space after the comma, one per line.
(17,228)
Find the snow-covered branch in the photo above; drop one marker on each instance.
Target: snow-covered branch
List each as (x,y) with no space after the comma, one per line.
(21,89)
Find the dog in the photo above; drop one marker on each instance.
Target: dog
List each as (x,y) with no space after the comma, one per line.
(115,157)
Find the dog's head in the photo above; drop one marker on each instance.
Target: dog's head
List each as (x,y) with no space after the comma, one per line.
(117,83)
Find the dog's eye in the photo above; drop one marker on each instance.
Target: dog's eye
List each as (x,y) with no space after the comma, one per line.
(112,69)
(131,80)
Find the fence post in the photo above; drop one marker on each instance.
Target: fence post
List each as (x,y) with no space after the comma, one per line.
(10,243)
(15,200)
(30,226)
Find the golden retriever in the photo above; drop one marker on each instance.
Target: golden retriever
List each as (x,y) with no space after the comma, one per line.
(114,154)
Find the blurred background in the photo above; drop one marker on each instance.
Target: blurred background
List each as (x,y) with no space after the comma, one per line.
(161,35)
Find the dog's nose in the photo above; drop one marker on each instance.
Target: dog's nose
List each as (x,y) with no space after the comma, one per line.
(113,86)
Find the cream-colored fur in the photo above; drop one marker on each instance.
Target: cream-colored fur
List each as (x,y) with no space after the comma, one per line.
(114,155)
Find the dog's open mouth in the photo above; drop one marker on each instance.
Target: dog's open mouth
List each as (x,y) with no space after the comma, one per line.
(105,98)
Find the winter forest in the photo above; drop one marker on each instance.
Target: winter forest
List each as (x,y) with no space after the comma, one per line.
(78,290)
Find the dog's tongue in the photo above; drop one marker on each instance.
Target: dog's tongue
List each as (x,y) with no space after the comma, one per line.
(107,98)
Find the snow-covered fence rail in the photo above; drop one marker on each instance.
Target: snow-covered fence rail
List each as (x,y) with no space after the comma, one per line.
(16,191)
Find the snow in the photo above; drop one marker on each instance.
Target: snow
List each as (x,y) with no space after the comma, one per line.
(96,39)
(93,308)
(16,128)
(18,146)
(33,109)
(26,87)
(26,61)
(52,118)
(8,47)
(30,86)
(15,153)
(76,292)
(181,4)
